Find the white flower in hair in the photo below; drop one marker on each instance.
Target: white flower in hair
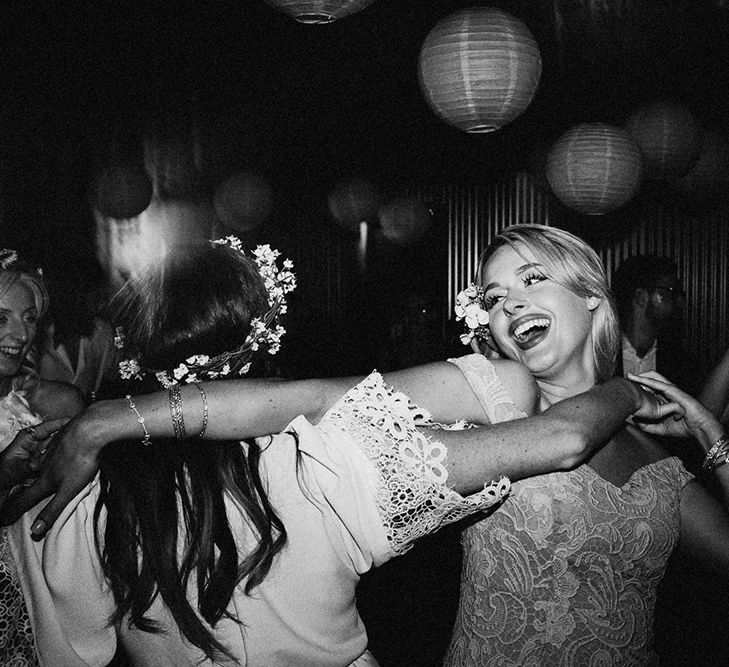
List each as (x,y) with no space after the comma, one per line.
(469,307)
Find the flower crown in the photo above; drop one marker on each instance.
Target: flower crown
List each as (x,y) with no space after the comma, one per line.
(8,257)
(264,331)
(469,308)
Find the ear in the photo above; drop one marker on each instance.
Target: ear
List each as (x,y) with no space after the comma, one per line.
(593,302)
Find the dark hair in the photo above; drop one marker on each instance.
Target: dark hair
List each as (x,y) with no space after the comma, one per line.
(639,271)
(199,300)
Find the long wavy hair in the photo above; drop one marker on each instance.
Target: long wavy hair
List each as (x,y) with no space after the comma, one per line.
(166,526)
(572,263)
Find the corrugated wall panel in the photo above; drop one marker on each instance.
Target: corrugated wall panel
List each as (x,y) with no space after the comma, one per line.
(699,245)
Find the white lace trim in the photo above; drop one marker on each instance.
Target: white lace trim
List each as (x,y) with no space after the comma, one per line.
(411,492)
(486,384)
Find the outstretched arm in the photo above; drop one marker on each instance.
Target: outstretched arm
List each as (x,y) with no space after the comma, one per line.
(558,438)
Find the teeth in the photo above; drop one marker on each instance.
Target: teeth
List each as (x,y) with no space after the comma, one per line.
(11,351)
(523,328)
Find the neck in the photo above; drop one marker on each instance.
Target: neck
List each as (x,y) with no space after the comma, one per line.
(6,385)
(554,390)
(641,333)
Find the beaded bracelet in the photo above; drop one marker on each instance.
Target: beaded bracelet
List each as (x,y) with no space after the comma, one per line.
(178,421)
(205,409)
(140,420)
(718,454)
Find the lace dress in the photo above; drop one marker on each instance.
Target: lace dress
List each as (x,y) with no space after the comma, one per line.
(566,571)
(353,491)
(16,636)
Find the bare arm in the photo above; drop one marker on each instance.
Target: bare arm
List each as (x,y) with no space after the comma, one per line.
(715,392)
(558,438)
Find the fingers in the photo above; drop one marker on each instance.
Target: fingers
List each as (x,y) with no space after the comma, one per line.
(48,515)
(46,429)
(25,499)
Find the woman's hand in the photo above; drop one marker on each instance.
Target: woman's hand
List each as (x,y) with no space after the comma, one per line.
(69,464)
(20,461)
(694,420)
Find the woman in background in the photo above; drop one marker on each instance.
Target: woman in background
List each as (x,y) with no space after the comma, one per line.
(26,401)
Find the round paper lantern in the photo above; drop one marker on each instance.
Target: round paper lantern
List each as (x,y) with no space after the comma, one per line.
(319,11)
(707,182)
(669,137)
(479,69)
(122,190)
(594,168)
(243,201)
(405,221)
(354,201)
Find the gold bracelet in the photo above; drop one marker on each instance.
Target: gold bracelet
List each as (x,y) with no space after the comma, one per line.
(140,420)
(205,409)
(718,454)
(178,420)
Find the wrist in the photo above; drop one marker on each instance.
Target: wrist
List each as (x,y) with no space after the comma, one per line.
(99,423)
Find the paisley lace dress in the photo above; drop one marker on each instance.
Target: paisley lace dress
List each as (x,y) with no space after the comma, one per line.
(16,636)
(566,571)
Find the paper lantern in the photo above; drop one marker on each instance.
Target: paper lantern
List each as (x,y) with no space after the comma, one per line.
(669,137)
(707,183)
(354,201)
(479,69)
(594,168)
(319,11)
(243,201)
(122,190)
(405,221)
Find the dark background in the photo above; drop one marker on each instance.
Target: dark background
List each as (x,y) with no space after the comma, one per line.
(308,104)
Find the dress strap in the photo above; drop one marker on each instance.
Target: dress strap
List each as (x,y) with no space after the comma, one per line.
(488,387)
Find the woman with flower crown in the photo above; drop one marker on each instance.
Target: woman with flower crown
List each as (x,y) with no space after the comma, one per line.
(25,401)
(216,550)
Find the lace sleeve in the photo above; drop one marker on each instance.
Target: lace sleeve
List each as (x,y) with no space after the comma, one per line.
(410,487)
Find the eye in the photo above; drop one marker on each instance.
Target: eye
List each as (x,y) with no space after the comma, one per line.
(533,277)
(491,300)
(31,318)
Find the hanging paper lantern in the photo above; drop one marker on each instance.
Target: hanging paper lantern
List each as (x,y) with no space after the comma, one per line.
(708,181)
(479,69)
(669,137)
(122,190)
(319,11)
(594,168)
(405,221)
(243,201)
(354,201)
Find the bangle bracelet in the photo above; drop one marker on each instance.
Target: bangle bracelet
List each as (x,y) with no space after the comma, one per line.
(718,454)
(178,421)
(205,409)
(140,420)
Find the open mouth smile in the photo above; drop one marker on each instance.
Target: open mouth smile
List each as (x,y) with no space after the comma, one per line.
(527,332)
(12,352)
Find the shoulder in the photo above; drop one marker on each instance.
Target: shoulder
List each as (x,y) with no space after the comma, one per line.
(53,399)
(519,383)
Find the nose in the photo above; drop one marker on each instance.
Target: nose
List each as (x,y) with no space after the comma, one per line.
(514,302)
(19,331)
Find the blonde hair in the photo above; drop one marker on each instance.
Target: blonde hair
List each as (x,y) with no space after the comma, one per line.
(15,271)
(572,263)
